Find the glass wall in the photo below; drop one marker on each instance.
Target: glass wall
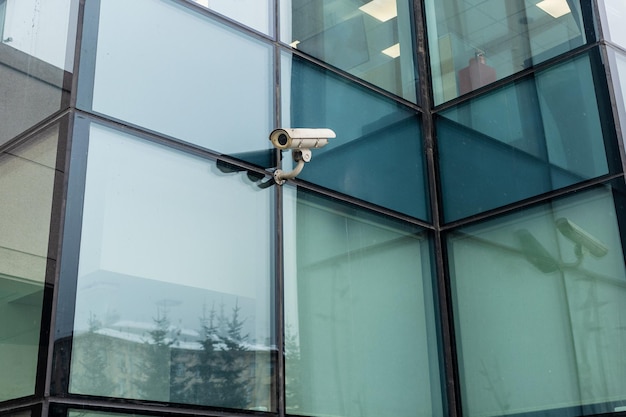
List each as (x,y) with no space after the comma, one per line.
(27,176)
(474,43)
(371,40)
(36,61)
(179,76)
(174,278)
(360,334)
(253,13)
(377,155)
(536,135)
(613,13)
(538,299)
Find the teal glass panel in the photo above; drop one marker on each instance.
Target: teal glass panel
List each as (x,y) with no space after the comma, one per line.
(522,140)
(617,62)
(377,155)
(257,14)
(173,292)
(371,40)
(474,43)
(613,14)
(36,60)
(183,74)
(360,334)
(539,302)
(26,184)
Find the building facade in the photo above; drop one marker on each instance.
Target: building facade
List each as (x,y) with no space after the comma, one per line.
(456,250)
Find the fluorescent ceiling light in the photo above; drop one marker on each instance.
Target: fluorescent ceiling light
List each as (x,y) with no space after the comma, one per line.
(393,51)
(294,44)
(382,10)
(555,8)
(204,3)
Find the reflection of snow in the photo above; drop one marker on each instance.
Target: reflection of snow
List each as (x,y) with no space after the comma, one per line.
(131,304)
(175,344)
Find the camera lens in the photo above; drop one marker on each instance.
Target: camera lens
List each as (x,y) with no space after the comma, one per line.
(282,139)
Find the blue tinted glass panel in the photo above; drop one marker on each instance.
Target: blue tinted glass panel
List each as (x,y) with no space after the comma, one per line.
(182,74)
(372,40)
(377,155)
(540,304)
(534,136)
(360,334)
(474,43)
(258,14)
(166,310)
(613,13)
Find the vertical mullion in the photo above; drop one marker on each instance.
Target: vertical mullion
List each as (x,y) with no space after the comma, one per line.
(279,272)
(447,348)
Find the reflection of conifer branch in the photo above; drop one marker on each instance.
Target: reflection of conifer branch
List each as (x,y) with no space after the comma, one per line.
(215,375)
(91,350)
(500,396)
(293,370)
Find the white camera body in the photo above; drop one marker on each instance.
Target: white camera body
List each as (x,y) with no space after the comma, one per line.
(301,141)
(284,139)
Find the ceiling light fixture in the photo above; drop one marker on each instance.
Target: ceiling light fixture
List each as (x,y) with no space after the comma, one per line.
(382,10)
(393,51)
(555,8)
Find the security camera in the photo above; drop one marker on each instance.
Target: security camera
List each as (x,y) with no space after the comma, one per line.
(580,237)
(300,138)
(301,141)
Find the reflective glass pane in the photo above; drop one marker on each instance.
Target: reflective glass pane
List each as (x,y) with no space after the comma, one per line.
(182,74)
(614,15)
(371,40)
(360,335)
(377,155)
(531,137)
(26,185)
(36,60)
(617,62)
(254,13)
(475,42)
(539,300)
(173,293)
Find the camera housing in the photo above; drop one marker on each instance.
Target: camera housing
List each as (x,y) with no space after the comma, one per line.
(580,237)
(301,141)
(284,139)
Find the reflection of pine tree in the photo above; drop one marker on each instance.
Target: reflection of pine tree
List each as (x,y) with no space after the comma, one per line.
(293,370)
(215,375)
(232,390)
(154,370)
(93,348)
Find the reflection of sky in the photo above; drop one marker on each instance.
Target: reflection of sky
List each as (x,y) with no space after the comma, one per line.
(167,218)
(42,29)
(181,67)
(253,13)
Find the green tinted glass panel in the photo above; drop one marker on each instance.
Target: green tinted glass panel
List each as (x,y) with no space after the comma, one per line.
(528,138)
(183,74)
(371,40)
(26,185)
(36,60)
(539,300)
(617,61)
(476,42)
(360,333)
(166,310)
(377,155)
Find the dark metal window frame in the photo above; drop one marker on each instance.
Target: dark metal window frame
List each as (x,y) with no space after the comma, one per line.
(52,397)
